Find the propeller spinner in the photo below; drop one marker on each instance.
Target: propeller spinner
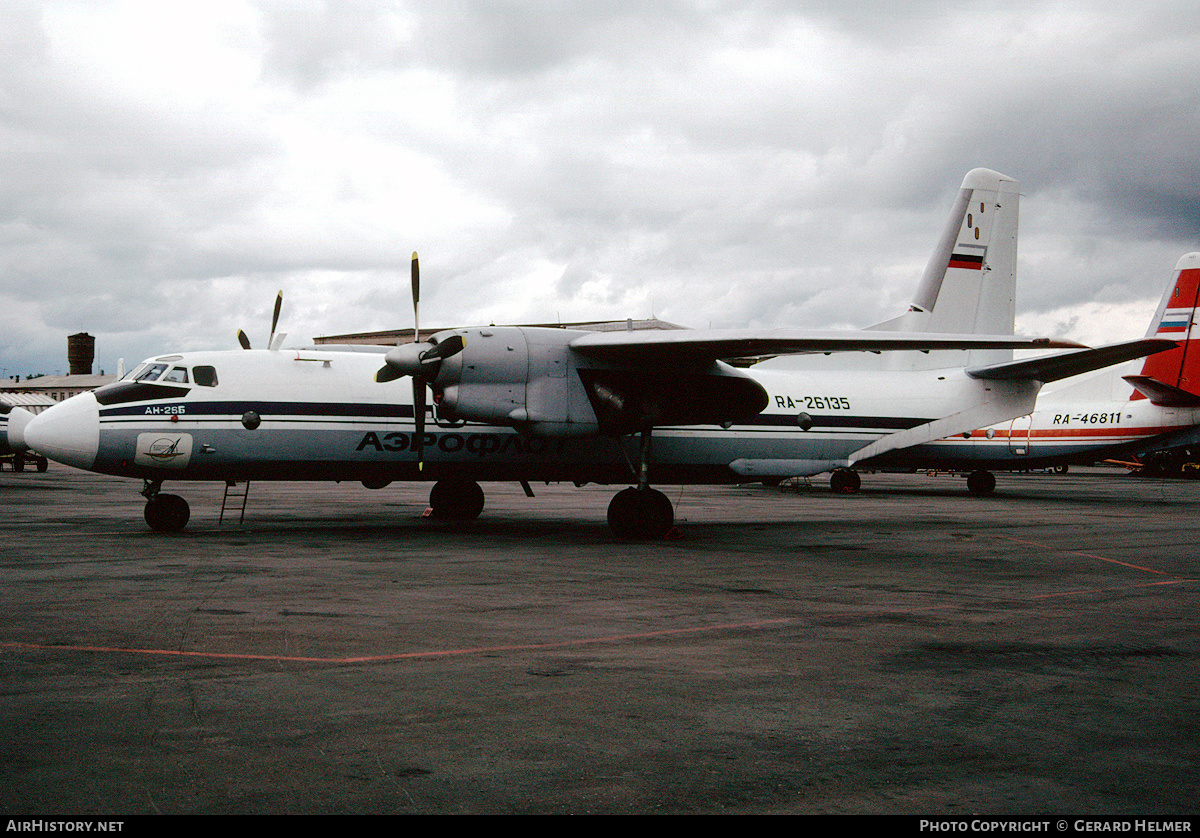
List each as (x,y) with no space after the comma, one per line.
(419,360)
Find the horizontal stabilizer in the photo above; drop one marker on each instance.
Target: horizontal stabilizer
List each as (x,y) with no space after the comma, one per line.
(1017,401)
(1064,365)
(707,345)
(1161,394)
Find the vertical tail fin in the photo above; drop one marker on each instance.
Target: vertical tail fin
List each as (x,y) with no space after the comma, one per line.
(1176,319)
(970,283)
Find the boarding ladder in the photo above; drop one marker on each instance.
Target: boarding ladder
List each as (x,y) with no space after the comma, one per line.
(229,503)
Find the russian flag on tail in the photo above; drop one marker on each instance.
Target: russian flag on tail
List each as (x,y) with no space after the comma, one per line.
(1175,320)
(967,256)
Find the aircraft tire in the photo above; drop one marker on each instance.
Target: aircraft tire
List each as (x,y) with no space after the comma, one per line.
(456,500)
(640,513)
(42,464)
(18,463)
(167,513)
(981,482)
(845,481)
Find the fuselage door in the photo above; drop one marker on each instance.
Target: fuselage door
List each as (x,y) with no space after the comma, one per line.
(1020,435)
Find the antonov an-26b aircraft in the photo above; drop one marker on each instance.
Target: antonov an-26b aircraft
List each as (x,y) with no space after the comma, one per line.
(544,404)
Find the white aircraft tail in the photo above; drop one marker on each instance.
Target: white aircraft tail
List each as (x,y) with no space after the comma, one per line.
(970,283)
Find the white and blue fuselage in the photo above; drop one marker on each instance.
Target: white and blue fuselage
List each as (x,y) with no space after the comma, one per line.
(319,415)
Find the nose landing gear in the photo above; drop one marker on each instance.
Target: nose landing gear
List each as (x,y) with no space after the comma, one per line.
(164,512)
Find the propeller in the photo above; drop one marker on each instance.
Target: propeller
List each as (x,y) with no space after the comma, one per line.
(419,360)
(244,341)
(275,319)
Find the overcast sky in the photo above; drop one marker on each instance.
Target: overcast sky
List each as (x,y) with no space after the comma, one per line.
(168,166)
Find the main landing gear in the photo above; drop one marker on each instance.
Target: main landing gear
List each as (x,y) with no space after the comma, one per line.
(981,482)
(845,481)
(456,499)
(164,512)
(641,512)
(636,512)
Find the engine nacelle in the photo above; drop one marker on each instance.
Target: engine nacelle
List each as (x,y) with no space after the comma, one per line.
(520,377)
(530,378)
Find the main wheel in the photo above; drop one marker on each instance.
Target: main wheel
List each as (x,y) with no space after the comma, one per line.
(640,513)
(845,481)
(456,500)
(167,513)
(981,482)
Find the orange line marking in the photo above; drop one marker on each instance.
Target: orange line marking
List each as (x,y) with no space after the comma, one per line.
(1118,588)
(514,647)
(585,641)
(1078,553)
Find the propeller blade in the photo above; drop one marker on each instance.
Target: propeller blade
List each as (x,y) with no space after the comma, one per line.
(243,340)
(440,352)
(386,374)
(419,416)
(416,292)
(275,319)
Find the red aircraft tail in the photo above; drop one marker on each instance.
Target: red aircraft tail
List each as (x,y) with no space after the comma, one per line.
(1172,378)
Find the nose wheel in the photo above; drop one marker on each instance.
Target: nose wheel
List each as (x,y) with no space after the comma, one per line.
(167,513)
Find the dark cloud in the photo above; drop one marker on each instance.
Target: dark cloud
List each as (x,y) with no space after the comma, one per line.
(735,164)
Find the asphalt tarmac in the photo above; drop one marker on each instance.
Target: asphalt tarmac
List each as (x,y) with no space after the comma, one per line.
(906,650)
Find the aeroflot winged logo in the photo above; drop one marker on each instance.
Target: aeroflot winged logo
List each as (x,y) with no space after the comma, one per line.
(163,450)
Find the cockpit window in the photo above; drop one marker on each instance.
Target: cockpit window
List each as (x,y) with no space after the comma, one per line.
(151,372)
(205,376)
(178,375)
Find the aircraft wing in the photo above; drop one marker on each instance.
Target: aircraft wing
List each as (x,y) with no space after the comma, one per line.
(707,345)
(1065,364)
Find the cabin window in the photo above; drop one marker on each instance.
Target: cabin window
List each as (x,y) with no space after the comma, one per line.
(151,373)
(205,376)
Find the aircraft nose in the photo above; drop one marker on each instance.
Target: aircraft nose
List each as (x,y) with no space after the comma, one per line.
(67,433)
